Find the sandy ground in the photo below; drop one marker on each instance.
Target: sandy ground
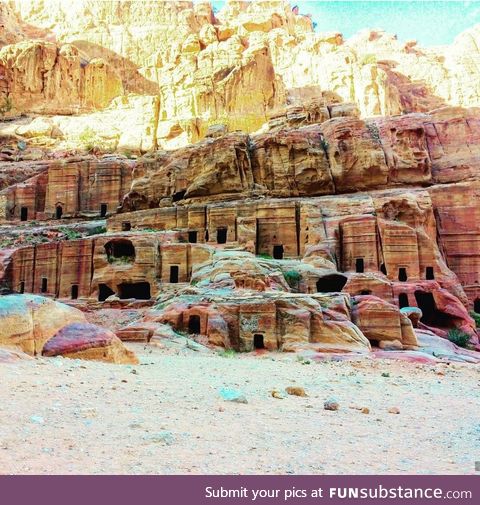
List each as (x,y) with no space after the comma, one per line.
(166,416)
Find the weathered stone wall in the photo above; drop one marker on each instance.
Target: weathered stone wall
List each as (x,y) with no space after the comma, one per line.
(390,233)
(341,155)
(67,189)
(42,77)
(76,268)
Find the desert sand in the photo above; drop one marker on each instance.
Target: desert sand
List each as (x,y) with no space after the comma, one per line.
(167,416)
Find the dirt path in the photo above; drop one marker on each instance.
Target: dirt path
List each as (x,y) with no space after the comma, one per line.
(74,417)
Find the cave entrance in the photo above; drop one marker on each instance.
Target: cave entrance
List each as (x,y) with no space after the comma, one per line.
(23,213)
(103,209)
(44,286)
(74,291)
(366,292)
(174,273)
(126,226)
(431,316)
(476,305)
(194,325)
(120,249)
(359,266)
(137,290)
(429,274)
(178,196)
(58,212)
(192,237)
(383,269)
(331,283)
(278,252)
(104,292)
(21,287)
(258,341)
(403,300)
(402,274)
(221,235)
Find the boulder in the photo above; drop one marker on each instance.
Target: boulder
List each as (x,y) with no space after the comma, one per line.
(29,321)
(87,341)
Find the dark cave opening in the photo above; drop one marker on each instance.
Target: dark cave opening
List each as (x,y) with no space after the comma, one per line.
(403,300)
(258,341)
(104,292)
(221,235)
(174,273)
(431,316)
(137,290)
(278,252)
(402,274)
(194,324)
(331,283)
(359,266)
(120,249)
(476,305)
(179,195)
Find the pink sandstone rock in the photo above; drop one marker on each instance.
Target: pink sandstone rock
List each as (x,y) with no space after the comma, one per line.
(88,341)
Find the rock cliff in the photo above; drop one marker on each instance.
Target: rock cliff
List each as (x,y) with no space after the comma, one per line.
(299,191)
(179,67)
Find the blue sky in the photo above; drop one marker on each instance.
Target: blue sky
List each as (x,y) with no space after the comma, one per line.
(429,22)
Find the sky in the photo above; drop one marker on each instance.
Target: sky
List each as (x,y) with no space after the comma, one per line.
(429,22)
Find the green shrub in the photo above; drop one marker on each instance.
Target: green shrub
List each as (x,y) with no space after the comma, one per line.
(88,138)
(303,360)
(70,234)
(458,337)
(96,231)
(93,143)
(120,259)
(227,353)
(292,277)
(476,318)
(265,256)
(374,133)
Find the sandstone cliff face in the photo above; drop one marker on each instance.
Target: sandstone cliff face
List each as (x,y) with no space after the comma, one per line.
(302,191)
(42,77)
(237,66)
(340,155)
(81,186)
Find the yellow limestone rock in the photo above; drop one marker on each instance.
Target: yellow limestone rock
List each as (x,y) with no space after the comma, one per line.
(193,68)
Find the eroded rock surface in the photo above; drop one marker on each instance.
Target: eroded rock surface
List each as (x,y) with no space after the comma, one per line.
(300,190)
(37,325)
(88,341)
(175,68)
